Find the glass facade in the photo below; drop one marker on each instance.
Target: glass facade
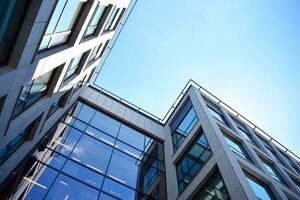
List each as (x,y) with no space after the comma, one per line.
(261,191)
(73,66)
(12,14)
(183,124)
(32,92)
(95,20)
(92,156)
(214,189)
(192,161)
(62,23)
(236,147)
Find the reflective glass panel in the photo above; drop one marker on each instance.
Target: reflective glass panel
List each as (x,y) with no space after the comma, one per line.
(96,158)
(68,188)
(236,147)
(261,191)
(192,161)
(214,189)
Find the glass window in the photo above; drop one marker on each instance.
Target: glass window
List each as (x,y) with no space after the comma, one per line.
(217,115)
(214,188)
(61,23)
(83,173)
(32,92)
(14,144)
(261,191)
(66,144)
(132,137)
(94,53)
(236,147)
(183,123)
(39,182)
(73,66)
(274,154)
(96,158)
(150,175)
(67,188)
(129,165)
(56,104)
(192,161)
(12,14)
(117,190)
(274,173)
(105,124)
(246,135)
(85,113)
(95,20)
(111,19)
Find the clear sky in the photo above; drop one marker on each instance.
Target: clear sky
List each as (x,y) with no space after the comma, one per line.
(246,52)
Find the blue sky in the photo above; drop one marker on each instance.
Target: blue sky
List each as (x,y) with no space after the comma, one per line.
(246,52)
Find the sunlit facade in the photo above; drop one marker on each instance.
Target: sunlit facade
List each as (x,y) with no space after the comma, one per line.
(63,137)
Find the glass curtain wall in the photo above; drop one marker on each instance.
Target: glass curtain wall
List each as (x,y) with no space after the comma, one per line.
(91,156)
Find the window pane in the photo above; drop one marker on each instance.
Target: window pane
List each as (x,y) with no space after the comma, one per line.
(55,16)
(118,190)
(216,115)
(69,15)
(132,137)
(43,180)
(84,174)
(213,189)
(98,15)
(105,123)
(129,165)
(68,188)
(66,144)
(192,161)
(259,189)
(85,113)
(96,158)
(274,173)
(235,147)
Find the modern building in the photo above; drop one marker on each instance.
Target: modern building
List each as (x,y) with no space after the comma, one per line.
(62,137)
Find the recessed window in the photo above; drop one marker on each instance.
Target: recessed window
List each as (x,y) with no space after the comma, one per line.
(94,23)
(61,23)
(72,68)
(217,115)
(15,143)
(214,188)
(261,190)
(274,173)
(12,14)
(192,161)
(94,53)
(32,92)
(2,101)
(274,154)
(236,147)
(56,104)
(183,123)
(246,135)
(110,22)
